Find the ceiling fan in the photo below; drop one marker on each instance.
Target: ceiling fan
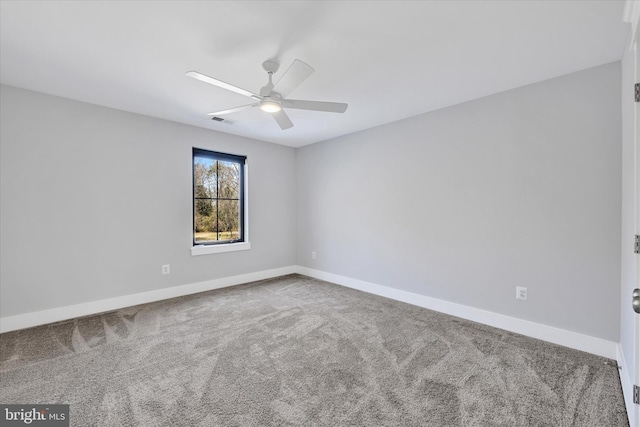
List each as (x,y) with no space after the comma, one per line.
(272,98)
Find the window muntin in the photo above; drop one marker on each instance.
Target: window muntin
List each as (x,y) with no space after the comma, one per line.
(218,198)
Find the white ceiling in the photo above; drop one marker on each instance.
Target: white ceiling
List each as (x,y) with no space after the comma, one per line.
(388,59)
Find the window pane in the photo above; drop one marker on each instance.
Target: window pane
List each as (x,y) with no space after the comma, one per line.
(204,221)
(228,219)
(217,197)
(204,177)
(228,180)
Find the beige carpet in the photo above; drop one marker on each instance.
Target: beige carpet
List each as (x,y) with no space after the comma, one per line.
(296,351)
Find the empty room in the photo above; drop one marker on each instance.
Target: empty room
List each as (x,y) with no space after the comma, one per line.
(320,213)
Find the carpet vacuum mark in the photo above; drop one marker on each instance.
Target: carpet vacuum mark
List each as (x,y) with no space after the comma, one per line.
(295,351)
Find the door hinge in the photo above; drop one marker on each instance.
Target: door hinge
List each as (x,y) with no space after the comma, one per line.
(636,245)
(637,92)
(636,394)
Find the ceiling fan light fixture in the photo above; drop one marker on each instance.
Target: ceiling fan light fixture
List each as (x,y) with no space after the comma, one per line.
(273,98)
(270,106)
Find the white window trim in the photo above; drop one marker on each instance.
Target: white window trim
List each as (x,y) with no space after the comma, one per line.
(216,249)
(230,247)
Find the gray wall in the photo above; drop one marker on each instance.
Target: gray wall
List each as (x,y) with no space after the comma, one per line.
(94,201)
(466,203)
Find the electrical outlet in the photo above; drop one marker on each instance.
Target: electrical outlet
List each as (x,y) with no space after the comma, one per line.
(166,269)
(521,292)
(313,255)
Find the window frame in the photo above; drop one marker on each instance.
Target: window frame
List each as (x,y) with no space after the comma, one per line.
(242,243)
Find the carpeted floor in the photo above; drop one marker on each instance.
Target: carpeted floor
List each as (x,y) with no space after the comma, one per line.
(298,351)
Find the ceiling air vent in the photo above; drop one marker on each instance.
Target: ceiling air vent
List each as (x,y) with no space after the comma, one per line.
(222,120)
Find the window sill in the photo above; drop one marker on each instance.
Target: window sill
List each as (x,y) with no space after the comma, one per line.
(216,249)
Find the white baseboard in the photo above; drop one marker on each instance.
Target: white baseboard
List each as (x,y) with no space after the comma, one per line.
(627,385)
(551,334)
(27,320)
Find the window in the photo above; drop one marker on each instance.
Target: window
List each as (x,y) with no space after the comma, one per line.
(218,202)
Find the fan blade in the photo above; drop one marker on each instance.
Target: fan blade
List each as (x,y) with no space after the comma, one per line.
(283,120)
(297,72)
(203,78)
(331,107)
(232,110)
